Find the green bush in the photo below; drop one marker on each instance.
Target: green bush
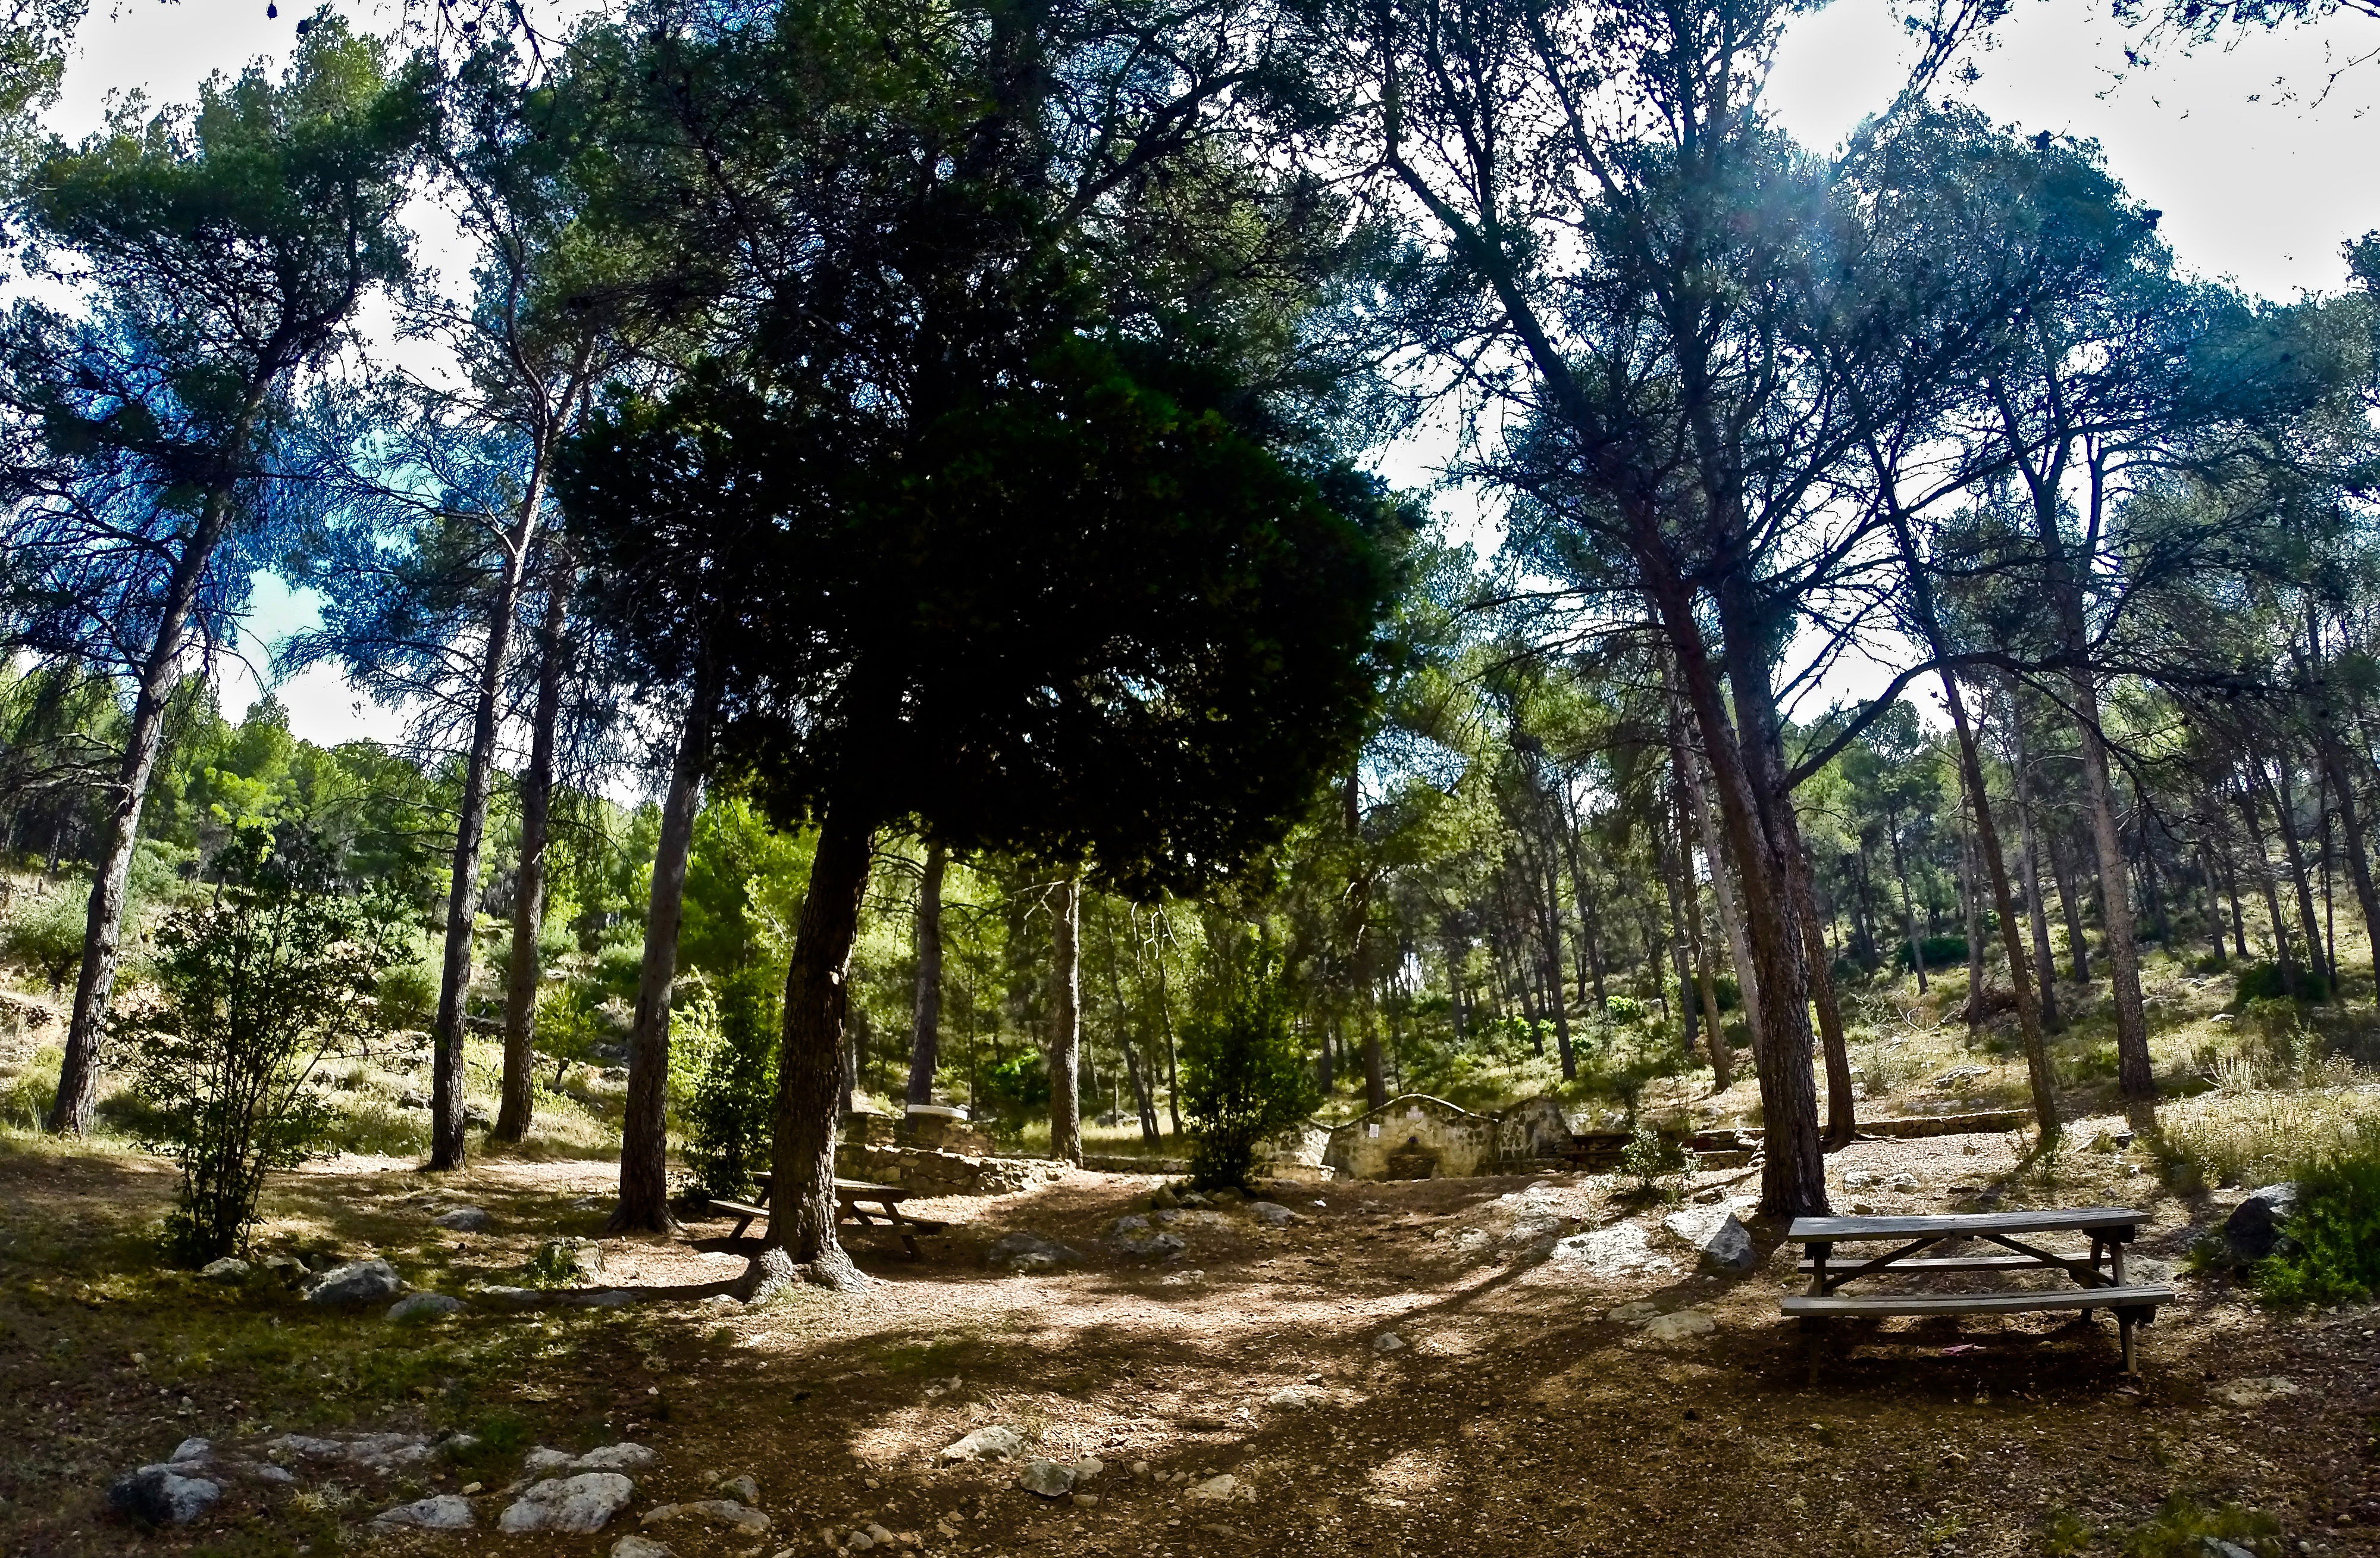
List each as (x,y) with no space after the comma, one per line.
(407,996)
(26,1098)
(730,1117)
(1243,1076)
(45,935)
(1942,952)
(253,995)
(1655,1160)
(2262,982)
(1015,1089)
(2333,1255)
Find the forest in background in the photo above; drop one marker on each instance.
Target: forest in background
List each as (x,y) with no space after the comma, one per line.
(928,452)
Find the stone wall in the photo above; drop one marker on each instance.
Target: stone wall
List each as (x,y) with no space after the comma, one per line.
(1534,1127)
(1414,1137)
(927,1173)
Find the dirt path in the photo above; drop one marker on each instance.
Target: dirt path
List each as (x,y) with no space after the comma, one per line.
(1515,1412)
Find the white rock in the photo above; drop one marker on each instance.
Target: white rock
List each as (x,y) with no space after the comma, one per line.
(717,1512)
(1636,1311)
(190,1450)
(441,1512)
(638,1547)
(1901,1182)
(1088,1467)
(228,1269)
(1621,1250)
(358,1282)
(163,1496)
(423,1306)
(464,1220)
(1721,1242)
(1222,1489)
(1272,1214)
(739,1487)
(1296,1398)
(625,1456)
(1680,1325)
(1858,1179)
(1047,1477)
(581,1504)
(993,1441)
(1388,1342)
(2254,1393)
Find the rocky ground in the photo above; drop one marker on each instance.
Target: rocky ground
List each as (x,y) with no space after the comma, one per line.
(1518,1365)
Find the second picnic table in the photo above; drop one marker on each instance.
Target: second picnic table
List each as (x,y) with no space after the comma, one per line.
(2099,1270)
(853,1198)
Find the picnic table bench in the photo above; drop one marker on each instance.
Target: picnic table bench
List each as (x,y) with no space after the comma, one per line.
(2098,1272)
(853,1199)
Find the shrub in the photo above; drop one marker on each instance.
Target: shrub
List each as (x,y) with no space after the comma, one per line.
(46,934)
(253,995)
(2244,1135)
(1243,1076)
(730,1117)
(2262,982)
(2333,1255)
(570,1026)
(26,1098)
(407,996)
(1657,1161)
(1942,952)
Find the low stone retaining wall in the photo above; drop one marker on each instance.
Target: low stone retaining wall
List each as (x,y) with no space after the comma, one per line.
(1171,1167)
(1997,1120)
(925,1172)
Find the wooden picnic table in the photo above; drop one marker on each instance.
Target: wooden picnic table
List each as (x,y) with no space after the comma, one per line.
(2098,1272)
(853,1198)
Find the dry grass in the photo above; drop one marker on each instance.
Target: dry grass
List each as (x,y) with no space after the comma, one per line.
(2244,1135)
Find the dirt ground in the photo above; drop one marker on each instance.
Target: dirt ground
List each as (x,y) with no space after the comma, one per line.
(1519,1416)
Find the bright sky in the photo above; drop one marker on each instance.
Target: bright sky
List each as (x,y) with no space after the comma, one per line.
(2262,175)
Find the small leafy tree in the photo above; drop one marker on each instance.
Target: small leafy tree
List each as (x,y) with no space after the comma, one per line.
(1244,1078)
(734,1096)
(255,994)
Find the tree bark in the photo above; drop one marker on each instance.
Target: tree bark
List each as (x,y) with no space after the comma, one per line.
(1722,1056)
(446,1138)
(926,1007)
(2285,819)
(809,1066)
(529,896)
(72,1112)
(1908,905)
(1066,1024)
(2063,872)
(644,1138)
(2214,900)
(1731,912)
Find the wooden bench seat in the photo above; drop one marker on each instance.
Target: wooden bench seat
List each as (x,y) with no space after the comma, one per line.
(1965,1262)
(2086,1298)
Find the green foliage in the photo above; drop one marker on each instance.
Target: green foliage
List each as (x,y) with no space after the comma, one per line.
(1942,952)
(2333,1254)
(2263,982)
(569,1025)
(2186,1528)
(1016,1087)
(252,996)
(45,934)
(1244,1076)
(25,1100)
(729,1119)
(407,995)
(1655,1160)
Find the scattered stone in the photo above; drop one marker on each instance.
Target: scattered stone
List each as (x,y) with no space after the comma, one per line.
(280,1474)
(1388,1342)
(190,1450)
(1193,1199)
(993,1441)
(1636,1311)
(723,1301)
(1047,1477)
(513,1297)
(1164,1196)
(610,1298)
(2215,1547)
(1152,1246)
(1134,1223)
(1088,1467)
(1721,1242)
(464,1220)
(1296,1398)
(358,1281)
(1272,1214)
(1679,1325)
(1858,1179)
(1031,1252)
(1621,1250)
(228,1269)
(383,1452)
(638,1547)
(1224,1489)
(1901,1182)
(569,1260)
(717,1512)
(1862,1209)
(1228,1195)
(442,1511)
(1087,1501)
(1140,1468)
(581,1504)
(160,1495)
(2258,1226)
(742,1487)
(2256,1393)
(424,1306)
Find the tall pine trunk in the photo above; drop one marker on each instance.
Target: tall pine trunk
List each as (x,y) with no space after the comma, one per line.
(528,895)
(926,1007)
(644,1136)
(1066,1024)
(446,1144)
(810,1061)
(2264,856)
(2293,851)
(70,1112)
(1698,949)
